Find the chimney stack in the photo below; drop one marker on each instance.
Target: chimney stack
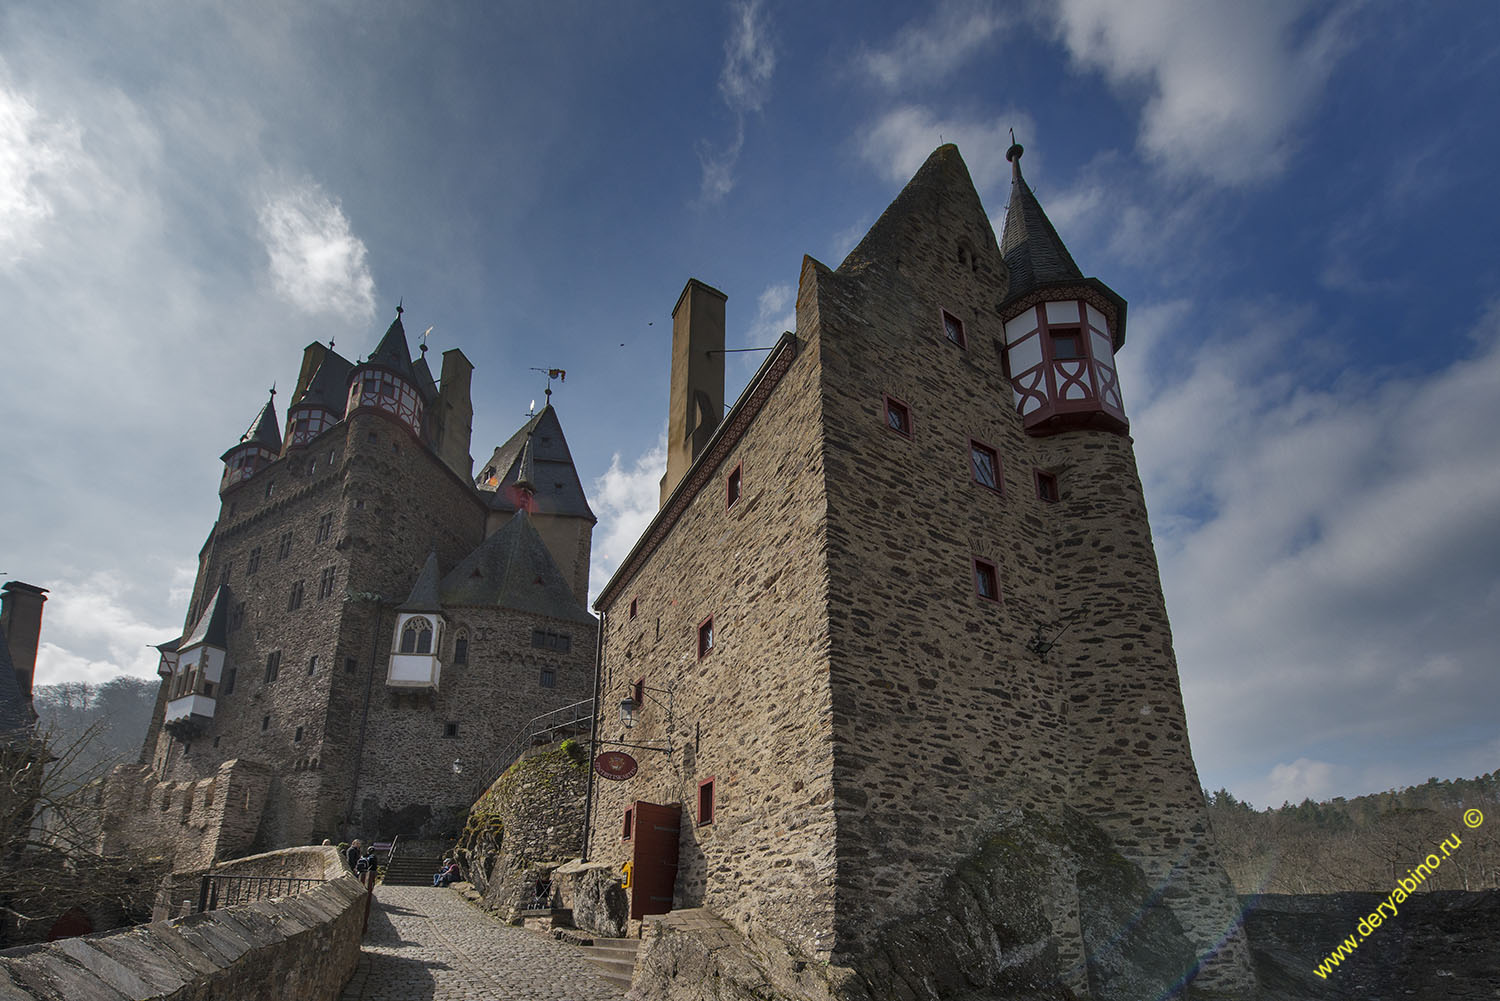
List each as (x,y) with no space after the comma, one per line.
(21,622)
(697,390)
(456,413)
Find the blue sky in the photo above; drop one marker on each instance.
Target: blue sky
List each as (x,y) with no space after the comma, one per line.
(1296,199)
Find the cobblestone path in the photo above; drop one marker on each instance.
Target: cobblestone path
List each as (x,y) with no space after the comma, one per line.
(432,945)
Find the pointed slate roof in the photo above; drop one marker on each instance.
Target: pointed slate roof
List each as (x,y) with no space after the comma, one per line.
(1033,251)
(329,386)
(16,715)
(424,593)
(211,627)
(263,431)
(512,569)
(425,382)
(554,479)
(393,352)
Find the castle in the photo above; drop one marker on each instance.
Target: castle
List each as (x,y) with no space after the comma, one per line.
(369,623)
(894,676)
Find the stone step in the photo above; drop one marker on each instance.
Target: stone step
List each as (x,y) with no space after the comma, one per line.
(410,870)
(614,957)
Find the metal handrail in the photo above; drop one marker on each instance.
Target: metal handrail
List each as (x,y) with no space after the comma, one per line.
(569,717)
(224,890)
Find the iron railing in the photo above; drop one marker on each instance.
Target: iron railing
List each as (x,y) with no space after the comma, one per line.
(569,721)
(217,891)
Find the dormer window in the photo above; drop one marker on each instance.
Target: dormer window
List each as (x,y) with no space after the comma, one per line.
(416,637)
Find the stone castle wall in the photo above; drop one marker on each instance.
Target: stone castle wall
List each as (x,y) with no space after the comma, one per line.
(947,720)
(752,714)
(193,823)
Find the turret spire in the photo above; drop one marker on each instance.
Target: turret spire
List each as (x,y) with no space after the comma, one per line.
(1033,251)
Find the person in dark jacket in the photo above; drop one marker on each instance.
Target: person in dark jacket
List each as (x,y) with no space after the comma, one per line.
(353,854)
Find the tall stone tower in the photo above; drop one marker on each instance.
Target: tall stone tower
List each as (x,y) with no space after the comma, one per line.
(898,633)
(365,631)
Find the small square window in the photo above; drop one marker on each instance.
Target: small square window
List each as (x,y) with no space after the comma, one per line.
(984,465)
(450,729)
(705,802)
(705,637)
(634,602)
(986,580)
(953,328)
(629,829)
(1067,343)
(897,416)
(732,489)
(1046,487)
(548,678)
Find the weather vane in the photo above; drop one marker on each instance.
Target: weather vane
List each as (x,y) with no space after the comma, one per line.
(552,373)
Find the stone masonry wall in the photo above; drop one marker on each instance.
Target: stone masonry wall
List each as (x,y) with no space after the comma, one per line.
(192,823)
(944,717)
(303,947)
(408,758)
(753,714)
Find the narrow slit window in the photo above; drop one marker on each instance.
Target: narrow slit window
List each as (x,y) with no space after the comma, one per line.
(898,416)
(705,637)
(629,829)
(634,603)
(986,580)
(732,489)
(705,802)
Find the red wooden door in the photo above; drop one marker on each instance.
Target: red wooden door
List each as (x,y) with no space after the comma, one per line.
(654,872)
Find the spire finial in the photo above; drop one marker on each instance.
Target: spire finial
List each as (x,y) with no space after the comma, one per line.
(423,346)
(330,344)
(1014,156)
(273,390)
(399,309)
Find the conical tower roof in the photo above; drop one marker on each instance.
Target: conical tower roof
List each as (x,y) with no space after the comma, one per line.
(424,593)
(1033,251)
(513,569)
(393,352)
(263,431)
(212,625)
(1038,261)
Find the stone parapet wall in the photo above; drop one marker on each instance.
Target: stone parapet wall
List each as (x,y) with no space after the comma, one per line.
(192,823)
(304,947)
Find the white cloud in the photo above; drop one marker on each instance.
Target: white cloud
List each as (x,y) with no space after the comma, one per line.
(745,85)
(34,150)
(904,137)
(317,263)
(89,633)
(1227,82)
(627,498)
(1298,780)
(933,49)
(1327,544)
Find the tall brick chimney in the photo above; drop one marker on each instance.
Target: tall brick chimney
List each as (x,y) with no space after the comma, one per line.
(697,391)
(456,413)
(21,621)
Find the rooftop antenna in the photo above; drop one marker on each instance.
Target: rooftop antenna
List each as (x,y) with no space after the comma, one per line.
(552,373)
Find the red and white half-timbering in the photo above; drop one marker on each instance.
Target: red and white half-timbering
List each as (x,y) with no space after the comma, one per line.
(1062,368)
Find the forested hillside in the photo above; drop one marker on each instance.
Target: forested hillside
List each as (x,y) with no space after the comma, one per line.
(119,711)
(1365,843)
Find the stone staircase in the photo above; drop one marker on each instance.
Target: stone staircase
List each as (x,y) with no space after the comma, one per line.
(615,958)
(412,870)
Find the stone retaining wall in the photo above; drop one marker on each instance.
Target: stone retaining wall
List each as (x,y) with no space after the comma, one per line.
(303,947)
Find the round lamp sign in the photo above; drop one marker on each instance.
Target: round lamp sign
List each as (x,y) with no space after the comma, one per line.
(617,766)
